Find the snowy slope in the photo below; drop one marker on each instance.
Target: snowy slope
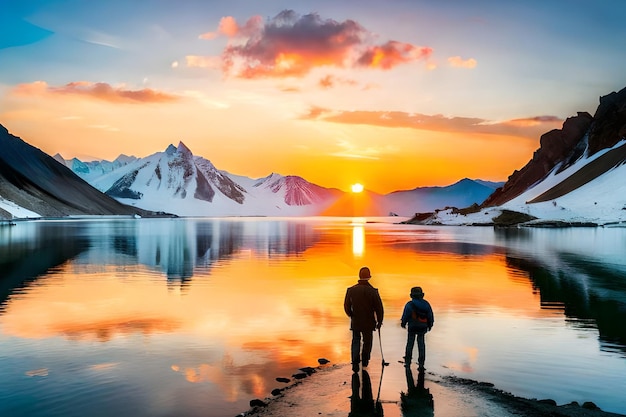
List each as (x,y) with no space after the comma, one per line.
(15,210)
(601,200)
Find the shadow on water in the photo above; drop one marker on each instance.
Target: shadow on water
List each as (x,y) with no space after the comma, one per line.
(458,248)
(362,402)
(23,262)
(417,401)
(591,295)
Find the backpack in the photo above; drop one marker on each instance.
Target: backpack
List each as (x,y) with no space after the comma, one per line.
(418,316)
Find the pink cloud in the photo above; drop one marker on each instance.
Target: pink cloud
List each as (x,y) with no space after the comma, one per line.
(101,91)
(392,54)
(293,45)
(228,26)
(531,127)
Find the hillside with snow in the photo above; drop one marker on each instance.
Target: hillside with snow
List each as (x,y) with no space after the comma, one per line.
(575,178)
(33,184)
(601,201)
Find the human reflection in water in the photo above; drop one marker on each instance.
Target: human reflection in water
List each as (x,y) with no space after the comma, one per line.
(362,402)
(417,401)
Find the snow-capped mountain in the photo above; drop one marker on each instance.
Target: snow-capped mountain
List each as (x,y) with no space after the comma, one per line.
(179,182)
(575,177)
(94,169)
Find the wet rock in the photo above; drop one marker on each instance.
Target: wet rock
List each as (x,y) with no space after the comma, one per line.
(547,401)
(307,370)
(590,406)
(285,380)
(300,375)
(323,361)
(276,391)
(257,403)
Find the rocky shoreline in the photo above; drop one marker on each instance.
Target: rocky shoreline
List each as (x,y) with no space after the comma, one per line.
(326,391)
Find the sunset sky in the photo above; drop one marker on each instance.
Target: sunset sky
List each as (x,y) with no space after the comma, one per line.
(391,94)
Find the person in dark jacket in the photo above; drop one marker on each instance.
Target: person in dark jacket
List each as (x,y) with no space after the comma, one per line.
(419,316)
(365,308)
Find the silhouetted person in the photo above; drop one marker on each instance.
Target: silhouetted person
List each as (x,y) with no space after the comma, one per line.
(417,401)
(362,402)
(365,309)
(418,315)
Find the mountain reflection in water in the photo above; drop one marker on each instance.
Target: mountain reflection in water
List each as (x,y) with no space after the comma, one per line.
(199,316)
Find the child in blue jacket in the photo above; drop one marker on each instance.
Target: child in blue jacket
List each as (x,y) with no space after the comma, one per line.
(418,314)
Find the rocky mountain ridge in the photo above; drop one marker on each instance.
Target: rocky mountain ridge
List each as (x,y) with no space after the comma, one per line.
(30,178)
(580,135)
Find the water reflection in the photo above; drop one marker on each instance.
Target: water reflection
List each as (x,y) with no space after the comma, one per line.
(26,257)
(362,402)
(417,401)
(590,295)
(176,247)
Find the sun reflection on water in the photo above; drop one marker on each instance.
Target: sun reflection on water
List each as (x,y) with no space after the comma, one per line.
(358,240)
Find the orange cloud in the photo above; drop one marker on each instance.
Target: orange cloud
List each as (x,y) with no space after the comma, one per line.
(228,26)
(100,91)
(457,61)
(327,82)
(330,81)
(392,54)
(293,45)
(527,127)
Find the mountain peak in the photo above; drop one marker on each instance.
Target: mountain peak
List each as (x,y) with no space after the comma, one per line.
(182,148)
(171,150)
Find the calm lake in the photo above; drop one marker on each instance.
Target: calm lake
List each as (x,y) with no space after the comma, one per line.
(196,317)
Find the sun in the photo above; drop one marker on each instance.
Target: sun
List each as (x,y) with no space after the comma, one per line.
(357,188)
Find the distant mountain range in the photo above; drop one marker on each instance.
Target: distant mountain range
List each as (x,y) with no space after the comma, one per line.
(176,181)
(576,174)
(179,182)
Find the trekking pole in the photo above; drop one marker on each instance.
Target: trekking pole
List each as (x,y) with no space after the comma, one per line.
(380,383)
(380,341)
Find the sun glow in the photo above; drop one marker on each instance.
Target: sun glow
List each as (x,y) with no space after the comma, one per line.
(357,188)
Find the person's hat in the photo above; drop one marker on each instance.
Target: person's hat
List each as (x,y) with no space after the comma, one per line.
(364,273)
(416,292)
